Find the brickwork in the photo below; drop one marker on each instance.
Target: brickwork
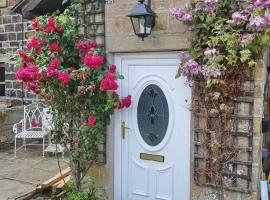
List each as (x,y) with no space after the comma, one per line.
(13,33)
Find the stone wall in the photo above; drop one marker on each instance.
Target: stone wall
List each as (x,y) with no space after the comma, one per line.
(167,35)
(13,34)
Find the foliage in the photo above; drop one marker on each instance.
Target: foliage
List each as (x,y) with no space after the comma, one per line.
(227,34)
(72,193)
(70,74)
(228,37)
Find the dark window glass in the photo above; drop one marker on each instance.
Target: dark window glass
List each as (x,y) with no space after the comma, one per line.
(2,74)
(153,115)
(2,90)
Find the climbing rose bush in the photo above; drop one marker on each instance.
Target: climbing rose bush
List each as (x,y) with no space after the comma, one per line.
(70,74)
(227,34)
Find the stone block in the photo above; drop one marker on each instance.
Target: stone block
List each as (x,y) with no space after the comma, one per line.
(258,107)
(3,3)
(257,126)
(161,23)
(179,3)
(155,42)
(3,37)
(16,19)
(9,27)
(11,36)
(10,76)
(18,27)
(160,5)
(260,72)
(6,19)
(2,28)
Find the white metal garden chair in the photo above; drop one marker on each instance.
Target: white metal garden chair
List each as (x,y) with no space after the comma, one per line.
(32,126)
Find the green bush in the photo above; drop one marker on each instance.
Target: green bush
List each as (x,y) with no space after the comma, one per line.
(74,194)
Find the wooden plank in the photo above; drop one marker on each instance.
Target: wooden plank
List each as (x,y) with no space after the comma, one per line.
(62,182)
(56,178)
(58,187)
(26,195)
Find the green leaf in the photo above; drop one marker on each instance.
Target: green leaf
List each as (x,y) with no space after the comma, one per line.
(178,73)
(121,77)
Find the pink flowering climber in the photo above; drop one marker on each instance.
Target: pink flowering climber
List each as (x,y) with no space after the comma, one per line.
(237,16)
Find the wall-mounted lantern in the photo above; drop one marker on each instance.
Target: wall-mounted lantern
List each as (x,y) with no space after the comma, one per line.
(142,19)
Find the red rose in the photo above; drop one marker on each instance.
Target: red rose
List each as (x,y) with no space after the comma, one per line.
(112,69)
(34,44)
(51,21)
(91,121)
(24,57)
(85,45)
(63,77)
(59,30)
(54,47)
(109,82)
(28,73)
(115,94)
(54,64)
(126,102)
(93,61)
(35,24)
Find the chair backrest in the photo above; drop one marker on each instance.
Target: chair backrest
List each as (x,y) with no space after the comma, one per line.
(47,119)
(33,116)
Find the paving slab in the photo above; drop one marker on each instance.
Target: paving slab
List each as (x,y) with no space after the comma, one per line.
(28,169)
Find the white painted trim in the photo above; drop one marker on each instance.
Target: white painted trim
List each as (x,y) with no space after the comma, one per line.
(119,58)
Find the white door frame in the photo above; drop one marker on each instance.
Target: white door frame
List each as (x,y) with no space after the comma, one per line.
(118,59)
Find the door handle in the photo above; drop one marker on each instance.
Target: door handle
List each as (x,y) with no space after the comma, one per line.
(123,129)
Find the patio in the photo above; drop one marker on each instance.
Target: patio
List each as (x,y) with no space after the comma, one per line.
(29,169)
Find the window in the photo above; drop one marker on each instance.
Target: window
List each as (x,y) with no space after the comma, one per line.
(2,79)
(153,115)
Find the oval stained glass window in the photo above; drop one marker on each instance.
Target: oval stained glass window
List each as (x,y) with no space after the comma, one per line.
(153,115)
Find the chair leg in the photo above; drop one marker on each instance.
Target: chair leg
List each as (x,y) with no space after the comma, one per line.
(15,148)
(24,144)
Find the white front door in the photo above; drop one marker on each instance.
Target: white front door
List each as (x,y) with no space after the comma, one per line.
(152,160)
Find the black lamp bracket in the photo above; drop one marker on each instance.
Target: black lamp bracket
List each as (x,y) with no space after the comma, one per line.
(148,3)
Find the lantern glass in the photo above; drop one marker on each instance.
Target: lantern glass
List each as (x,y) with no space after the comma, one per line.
(142,25)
